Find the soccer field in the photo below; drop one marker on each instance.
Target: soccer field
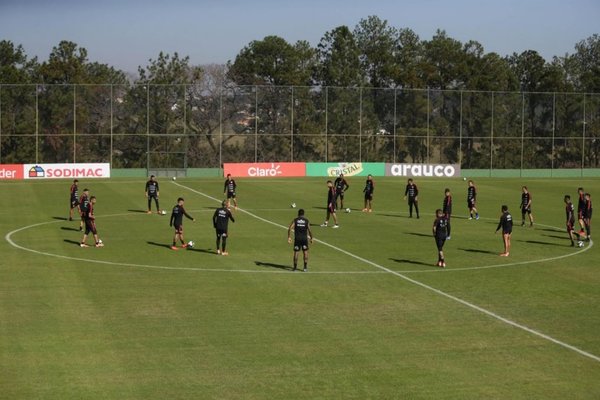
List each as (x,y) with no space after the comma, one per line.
(373,317)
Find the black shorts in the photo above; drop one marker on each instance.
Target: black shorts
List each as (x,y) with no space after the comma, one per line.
(331,207)
(179,229)
(439,241)
(339,194)
(588,214)
(412,200)
(231,195)
(506,232)
(525,210)
(471,203)
(300,244)
(368,196)
(74,202)
(153,196)
(90,226)
(221,233)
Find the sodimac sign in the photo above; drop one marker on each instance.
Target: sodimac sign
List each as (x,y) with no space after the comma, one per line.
(66,171)
(265,170)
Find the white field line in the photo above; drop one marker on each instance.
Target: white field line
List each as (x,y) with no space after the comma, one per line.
(8,238)
(425,286)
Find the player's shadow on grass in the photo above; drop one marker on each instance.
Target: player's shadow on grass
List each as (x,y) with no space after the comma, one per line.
(138,211)
(271,265)
(537,242)
(405,261)
(68,228)
(565,236)
(72,241)
(418,234)
(60,218)
(396,215)
(160,245)
(207,251)
(477,251)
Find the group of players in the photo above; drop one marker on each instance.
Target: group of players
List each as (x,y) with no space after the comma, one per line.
(300,225)
(84,206)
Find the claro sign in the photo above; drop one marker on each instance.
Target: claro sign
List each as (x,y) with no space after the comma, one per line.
(62,171)
(265,170)
(420,170)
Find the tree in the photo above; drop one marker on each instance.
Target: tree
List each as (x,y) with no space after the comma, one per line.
(408,55)
(339,59)
(377,43)
(273,61)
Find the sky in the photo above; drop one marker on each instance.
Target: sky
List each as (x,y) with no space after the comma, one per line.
(127,33)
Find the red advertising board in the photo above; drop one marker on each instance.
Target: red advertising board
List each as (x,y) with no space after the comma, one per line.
(11,171)
(265,170)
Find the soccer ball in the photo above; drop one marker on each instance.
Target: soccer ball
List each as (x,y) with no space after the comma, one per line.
(464,178)
(580,244)
(348,210)
(293,205)
(163,212)
(190,244)
(100,242)
(174,178)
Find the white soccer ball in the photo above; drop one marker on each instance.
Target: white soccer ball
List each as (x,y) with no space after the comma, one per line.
(190,244)
(100,242)
(174,178)
(580,243)
(163,212)
(348,210)
(293,205)
(464,178)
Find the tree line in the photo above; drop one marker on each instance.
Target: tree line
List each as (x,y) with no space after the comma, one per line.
(275,100)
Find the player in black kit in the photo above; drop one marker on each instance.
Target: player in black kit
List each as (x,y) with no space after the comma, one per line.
(570,213)
(526,206)
(84,200)
(587,218)
(581,209)
(472,200)
(440,233)
(152,192)
(302,235)
(330,206)
(506,224)
(73,198)
(229,190)
(413,197)
(220,220)
(90,224)
(341,186)
(368,190)
(447,209)
(177,221)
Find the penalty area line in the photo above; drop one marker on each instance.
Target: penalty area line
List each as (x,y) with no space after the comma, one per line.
(425,286)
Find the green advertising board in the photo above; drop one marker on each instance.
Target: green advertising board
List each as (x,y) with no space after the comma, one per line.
(346,168)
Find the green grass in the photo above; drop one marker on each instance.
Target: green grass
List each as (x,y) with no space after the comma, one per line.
(135,320)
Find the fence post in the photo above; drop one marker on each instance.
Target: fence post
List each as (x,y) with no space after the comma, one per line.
(360,106)
(292,128)
(74,123)
(395,122)
(147,127)
(326,123)
(553,133)
(255,123)
(0,124)
(460,126)
(111,124)
(522,129)
(492,139)
(428,116)
(221,127)
(37,124)
(583,134)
